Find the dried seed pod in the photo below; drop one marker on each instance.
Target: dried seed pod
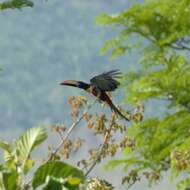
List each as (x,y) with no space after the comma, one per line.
(98,184)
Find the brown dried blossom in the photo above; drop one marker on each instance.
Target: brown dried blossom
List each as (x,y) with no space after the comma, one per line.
(87,117)
(127,142)
(138,114)
(100,123)
(57,128)
(66,148)
(76,103)
(77,144)
(131,178)
(152,175)
(90,125)
(93,153)
(181,159)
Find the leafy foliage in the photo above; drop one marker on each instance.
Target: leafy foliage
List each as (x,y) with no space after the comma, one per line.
(57,171)
(15,4)
(164,23)
(17,157)
(98,184)
(18,162)
(163,30)
(27,142)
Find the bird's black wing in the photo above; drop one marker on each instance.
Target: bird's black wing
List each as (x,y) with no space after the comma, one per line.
(107,80)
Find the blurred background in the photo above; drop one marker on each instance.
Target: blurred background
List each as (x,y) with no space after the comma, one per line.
(40,47)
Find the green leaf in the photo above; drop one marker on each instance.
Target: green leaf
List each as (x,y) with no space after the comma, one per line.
(28,141)
(106,19)
(8,150)
(109,44)
(62,184)
(10,180)
(74,180)
(117,52)
(5,146)
(2,187)
(28,165)
(182,185)
(56,169)
(53,183)
(16,4)
(114,163)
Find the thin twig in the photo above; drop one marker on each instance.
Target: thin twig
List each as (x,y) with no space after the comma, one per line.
(180,47)
(99,154)
(61,135)
(130,185)
(71,129)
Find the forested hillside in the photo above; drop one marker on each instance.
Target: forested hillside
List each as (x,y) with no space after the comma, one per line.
(43,45)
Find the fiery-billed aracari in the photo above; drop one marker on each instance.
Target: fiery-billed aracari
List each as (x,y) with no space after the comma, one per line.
(99,85)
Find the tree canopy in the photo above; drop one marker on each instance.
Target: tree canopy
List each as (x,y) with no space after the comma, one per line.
(15,4)
(160,32)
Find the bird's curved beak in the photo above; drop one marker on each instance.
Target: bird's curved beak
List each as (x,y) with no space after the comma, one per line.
(69,83)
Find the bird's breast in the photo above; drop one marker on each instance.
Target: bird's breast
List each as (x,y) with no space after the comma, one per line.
(94,90)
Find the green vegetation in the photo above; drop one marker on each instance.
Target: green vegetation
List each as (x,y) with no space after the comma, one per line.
(160,31)
(18,163)
(15,4)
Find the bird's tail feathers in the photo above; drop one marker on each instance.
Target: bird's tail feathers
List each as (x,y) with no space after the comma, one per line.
(116,110)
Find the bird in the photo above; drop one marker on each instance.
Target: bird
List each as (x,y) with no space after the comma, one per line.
(99,86)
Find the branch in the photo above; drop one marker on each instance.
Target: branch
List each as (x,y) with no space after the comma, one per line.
(174,99)
(176,46)
(106,138)
(185,106)
(180,47)
(130,185)
(64,138)
(147,36)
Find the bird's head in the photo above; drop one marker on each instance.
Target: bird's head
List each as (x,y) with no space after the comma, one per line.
(70,83)
(75,83)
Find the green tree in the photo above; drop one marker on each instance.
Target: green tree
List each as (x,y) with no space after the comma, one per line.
(159,31)
(15,4)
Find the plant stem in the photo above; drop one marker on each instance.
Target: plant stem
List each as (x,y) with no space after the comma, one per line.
(71,129)
(99,154)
